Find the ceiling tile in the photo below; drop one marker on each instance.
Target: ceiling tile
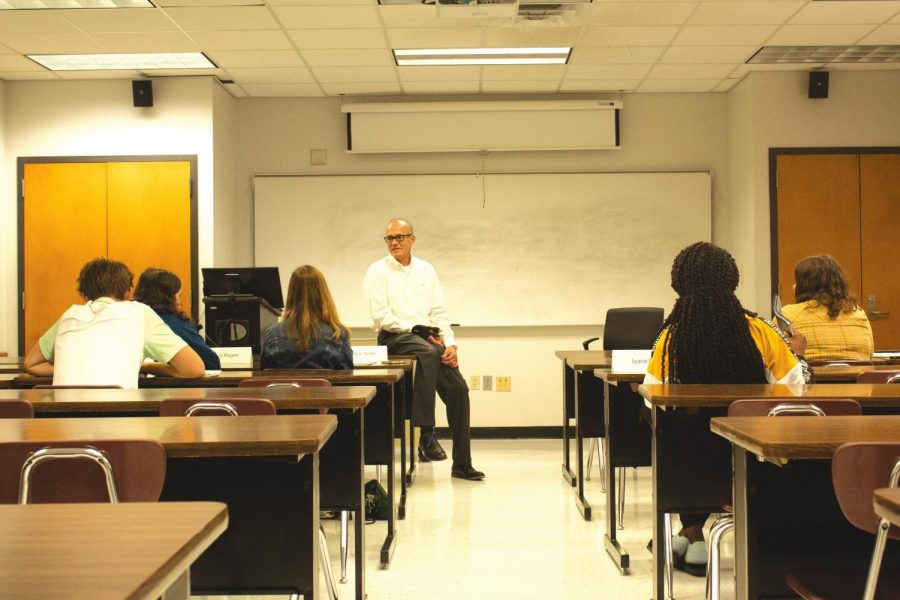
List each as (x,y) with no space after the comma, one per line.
(34,21)
(607,71)
(523,72)
(599,85)
(441,87)
(886,34)
(425,16)
(845,13)
(460,73)
(726,84)
(220,73)
(208,3)
(678,85)
(690,71)
(338,38)
(282,90)
(14,62)
(318,2)
(121,20)
(27,75)
(519,87)
(708,54)
(468,37)
(733,35)
(241,40)
(595,35)
(257,58)
(743,13)
(327,17)
(52,43)
(359,58)
(350,89)
(640,13)
(224,18)
(355,74)
(271,75)
(525,37)
(818,35)
(615,54)
(163,41)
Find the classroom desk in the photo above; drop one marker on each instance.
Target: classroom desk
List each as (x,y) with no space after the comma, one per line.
(11,364)
(838,374)
(785,512)
(627,445)
(581,401)
(116,551)
(887,505)
(266,469)
(340,461)
(696,477)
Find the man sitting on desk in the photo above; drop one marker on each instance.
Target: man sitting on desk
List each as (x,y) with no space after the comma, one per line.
(407,308)
(104,341)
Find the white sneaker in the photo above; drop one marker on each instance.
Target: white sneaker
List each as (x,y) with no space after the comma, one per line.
(680,545)
(696,553)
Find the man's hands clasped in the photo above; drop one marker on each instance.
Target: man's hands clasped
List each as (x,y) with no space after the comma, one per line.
(433,335)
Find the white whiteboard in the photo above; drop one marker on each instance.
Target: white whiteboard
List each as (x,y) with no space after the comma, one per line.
(510,249)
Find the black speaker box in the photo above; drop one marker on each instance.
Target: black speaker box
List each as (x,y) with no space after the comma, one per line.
(818,84)
(142,90)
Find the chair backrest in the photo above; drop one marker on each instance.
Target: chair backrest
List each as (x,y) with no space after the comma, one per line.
(839,363)
(180,407)
(284,382)
(16,409)
(633,328)
(77,387)
(794,406)
(139,468)
(878,377)
(857,470)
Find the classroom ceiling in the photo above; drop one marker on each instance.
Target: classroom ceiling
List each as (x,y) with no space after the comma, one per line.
(314,48)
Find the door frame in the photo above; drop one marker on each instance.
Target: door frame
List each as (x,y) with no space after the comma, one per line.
(20,179)
(774,153)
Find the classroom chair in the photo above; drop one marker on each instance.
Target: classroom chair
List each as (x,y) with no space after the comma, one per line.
(758,408)
(189,407)
(48,386)
(16,409)
(284,382)
(81,471)
(878,377)
(857,470)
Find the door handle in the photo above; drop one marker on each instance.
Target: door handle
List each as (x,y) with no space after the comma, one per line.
(873,312)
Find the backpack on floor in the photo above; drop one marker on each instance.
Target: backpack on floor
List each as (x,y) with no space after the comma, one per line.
(378,507)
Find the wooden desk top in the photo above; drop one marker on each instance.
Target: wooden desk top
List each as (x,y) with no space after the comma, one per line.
(825,373)
(282,435)
(148,399)
(394,362)
(787,438)
(887,504)
(582,360)
(614,377)
(102,551)
(674,395)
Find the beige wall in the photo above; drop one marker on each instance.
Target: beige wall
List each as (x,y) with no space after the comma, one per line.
(224,150)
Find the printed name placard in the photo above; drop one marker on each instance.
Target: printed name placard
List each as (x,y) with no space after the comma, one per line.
(235,356)
(367,355)
(630,361)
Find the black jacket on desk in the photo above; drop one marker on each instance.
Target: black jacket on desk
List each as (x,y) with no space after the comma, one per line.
(186,331)
(280,351)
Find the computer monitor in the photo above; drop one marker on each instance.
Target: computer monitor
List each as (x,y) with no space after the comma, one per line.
(263,282)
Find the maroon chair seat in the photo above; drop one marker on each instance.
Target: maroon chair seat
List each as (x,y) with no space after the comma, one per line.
(179,407)
(878,377)
(77,387)
(16,409)
(763,407)
(284,382)
(841,584)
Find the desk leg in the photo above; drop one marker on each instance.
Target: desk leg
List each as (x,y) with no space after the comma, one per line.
(741,565)
(399,407)
(568,384)
(359,523)
(613,548)
(407,408)
(583,505)
(659,563)
(180,590)
(387,549)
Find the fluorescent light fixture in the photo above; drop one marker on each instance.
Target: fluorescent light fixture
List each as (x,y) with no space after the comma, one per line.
(482,56)
(774,55)
(48,4)
(112,62)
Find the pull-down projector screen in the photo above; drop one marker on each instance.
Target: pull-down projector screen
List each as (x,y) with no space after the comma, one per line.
(478,126)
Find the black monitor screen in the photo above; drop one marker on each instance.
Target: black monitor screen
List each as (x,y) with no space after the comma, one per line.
(256,281)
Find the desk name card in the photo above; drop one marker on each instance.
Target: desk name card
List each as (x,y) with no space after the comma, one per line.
(235,356)
(630,361)
(369,355)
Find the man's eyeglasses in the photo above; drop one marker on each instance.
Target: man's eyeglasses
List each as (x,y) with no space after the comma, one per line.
(396,238)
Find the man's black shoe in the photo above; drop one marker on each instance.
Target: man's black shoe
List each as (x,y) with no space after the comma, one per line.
(430,449)
(467,472)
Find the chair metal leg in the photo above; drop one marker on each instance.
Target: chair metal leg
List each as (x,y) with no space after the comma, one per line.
(875,568)
(720,527)
(326,565)
(603,466)
(345,522)
(621,490)
(590,460)
(378,473)
(670,561)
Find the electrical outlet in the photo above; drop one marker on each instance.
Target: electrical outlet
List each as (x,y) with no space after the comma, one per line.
(504,384)
(474,382)
(487,383)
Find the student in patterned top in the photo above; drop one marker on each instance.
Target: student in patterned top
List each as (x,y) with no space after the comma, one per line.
(710,338)
(827,313)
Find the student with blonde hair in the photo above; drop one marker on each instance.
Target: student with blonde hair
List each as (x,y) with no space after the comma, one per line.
(310,335)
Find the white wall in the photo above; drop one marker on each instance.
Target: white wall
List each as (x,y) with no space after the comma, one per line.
(224,158)
(97,118)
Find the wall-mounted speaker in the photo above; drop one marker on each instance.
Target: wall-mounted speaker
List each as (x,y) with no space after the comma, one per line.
(818,84)
(142,92)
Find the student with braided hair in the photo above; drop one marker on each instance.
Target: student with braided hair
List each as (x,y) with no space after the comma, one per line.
(710,338)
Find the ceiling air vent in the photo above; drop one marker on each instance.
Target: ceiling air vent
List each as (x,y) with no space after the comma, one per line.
(563,12)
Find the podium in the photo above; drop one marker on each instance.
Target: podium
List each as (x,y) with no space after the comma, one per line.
(238,320)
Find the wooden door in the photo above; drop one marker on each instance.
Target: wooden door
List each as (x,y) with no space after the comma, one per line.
(818,213)
(150,218)
(880,204)
(64,226)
